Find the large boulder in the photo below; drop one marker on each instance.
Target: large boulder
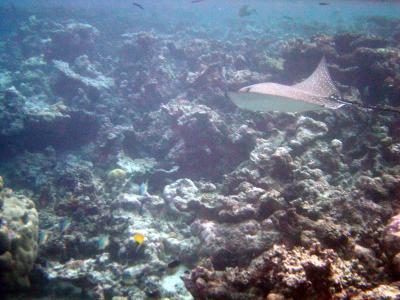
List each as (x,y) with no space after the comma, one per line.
(71,40)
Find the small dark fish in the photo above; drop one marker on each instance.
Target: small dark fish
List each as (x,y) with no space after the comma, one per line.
(197,1)
(246,11)
(324,3)
(138,5)
(287,18)
(25,218)
(173,264)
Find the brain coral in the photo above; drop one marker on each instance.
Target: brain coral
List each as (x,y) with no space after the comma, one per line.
(18,239)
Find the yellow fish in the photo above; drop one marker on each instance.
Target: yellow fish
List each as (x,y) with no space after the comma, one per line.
(138,238)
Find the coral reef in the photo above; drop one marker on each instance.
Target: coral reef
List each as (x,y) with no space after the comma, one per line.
(115,136)
(68,41)
(72,85)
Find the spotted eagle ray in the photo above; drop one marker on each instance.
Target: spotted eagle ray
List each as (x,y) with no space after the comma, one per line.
(316,92)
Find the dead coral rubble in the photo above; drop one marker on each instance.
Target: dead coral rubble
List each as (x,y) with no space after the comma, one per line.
(297,274)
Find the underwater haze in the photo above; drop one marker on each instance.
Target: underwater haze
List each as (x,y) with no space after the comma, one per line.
(200,149)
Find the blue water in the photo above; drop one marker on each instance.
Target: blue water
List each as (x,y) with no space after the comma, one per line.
(220,16)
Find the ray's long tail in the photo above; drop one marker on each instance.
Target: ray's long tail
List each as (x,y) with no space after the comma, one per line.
(376,108)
